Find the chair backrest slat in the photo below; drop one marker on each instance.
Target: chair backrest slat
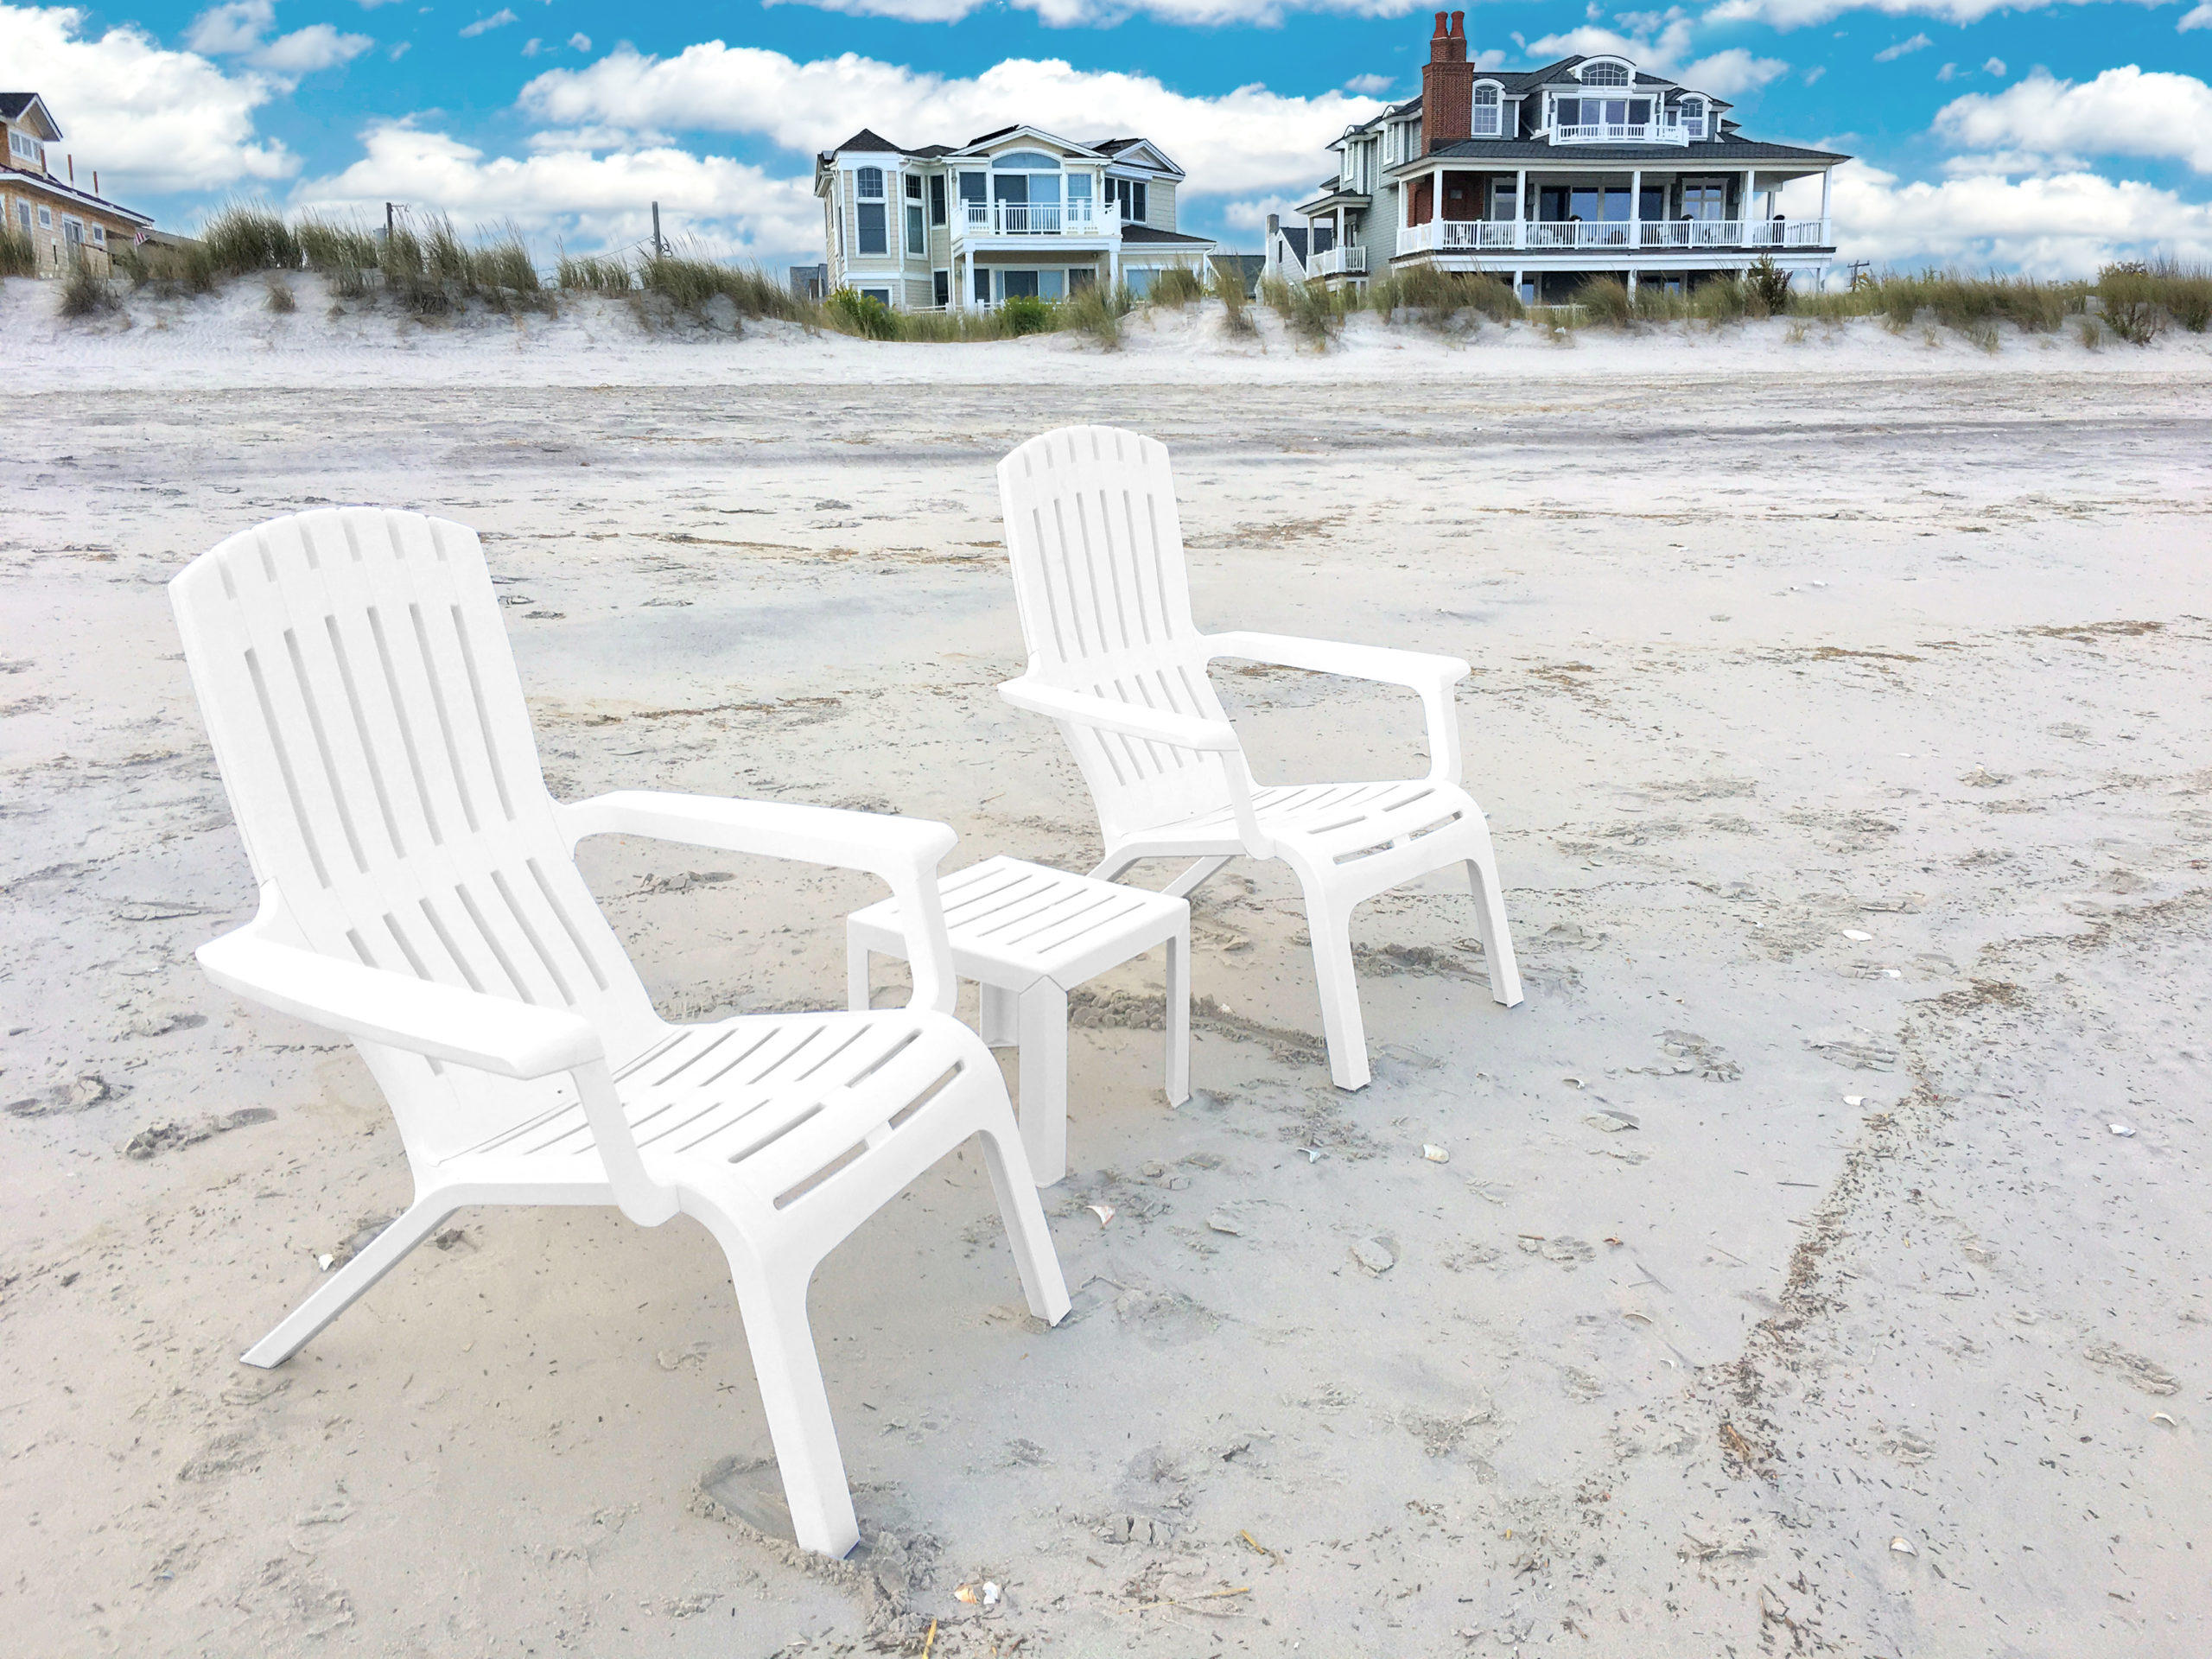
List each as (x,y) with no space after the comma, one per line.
(1096,546)
(365,711)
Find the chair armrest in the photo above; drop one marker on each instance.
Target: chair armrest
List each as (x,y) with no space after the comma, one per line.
(1433,677)
(904,853)
(450,1023)
(1153,726)
(1130,719)
(441,1022)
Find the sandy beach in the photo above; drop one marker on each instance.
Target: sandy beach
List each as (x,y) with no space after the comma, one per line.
(1819,1264)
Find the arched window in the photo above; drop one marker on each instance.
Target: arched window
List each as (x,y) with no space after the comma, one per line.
(867,212)
(1693,117)
(1604,75)
(1028,161)
(870,181)
(1486,111)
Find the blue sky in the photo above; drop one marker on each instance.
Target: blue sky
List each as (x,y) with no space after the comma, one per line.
(2049,137)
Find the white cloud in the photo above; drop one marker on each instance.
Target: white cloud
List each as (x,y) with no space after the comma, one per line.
(1815,73)
(1994,66)
(580,42)
(499,19)
(1251,214)
(2067,224)
(1731,74)
(1376,85)
(533,47)
(726,207)
(153,120)
(237,31)
(2200,17)
(1072,14)
(1236,144)
(2122,112)
(1892,54)
(1796,14)
(1949,72)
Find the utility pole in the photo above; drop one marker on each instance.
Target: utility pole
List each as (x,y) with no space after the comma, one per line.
(389,215)
(658,249)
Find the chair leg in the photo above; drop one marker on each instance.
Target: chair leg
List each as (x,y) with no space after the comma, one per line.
(857,958)
(1490,923)
(1195,877)
(1179,1018)
(798,1407)
(1044,1015)
(998,1015)
(338,1292)
(1036,1261)
(1338,986)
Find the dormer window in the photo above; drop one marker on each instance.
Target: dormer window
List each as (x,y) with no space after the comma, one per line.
(1604,75)
(25,148)
(1694,117)
(1487,113)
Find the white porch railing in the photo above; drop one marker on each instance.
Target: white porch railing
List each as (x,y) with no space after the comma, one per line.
(1620,236)
(1621,132)
(1077,218)
(1338,262)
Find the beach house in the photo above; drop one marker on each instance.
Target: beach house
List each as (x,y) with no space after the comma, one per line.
(1015,212)
(1547,177)
(61,221)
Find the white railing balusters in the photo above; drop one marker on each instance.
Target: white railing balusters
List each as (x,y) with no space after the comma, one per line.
(1655,235)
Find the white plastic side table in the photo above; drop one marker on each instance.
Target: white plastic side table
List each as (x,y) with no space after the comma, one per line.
(1028,936)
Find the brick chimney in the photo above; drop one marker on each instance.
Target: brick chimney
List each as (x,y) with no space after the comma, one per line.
(1447,85)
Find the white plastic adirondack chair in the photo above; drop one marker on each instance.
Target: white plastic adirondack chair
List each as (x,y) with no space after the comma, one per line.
(1116,659)
(419,892)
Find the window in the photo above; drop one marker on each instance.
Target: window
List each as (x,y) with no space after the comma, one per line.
(1139,281)
(913,186)
(23,214)
(1128,196)
(916,239)
(972,209)
(1080,278)
(46,218)
(1604,75)
(24,148)
(936,199)
(982,283)
(1026,160)
(941,283)
(880,296)
(1486,113)
(875,233)
(1051,285)
(1705,199)
(1018,285)
(1693,117)
(99,236)
(1080,197)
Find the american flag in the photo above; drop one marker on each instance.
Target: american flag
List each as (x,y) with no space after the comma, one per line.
(141,239)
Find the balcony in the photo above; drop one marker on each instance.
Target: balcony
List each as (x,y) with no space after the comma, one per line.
(1621,132)
(1622,237)
(1077,218)
(1338,262)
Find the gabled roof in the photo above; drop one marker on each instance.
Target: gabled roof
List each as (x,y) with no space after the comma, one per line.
(1118,149)
(1134,234)
(29,109)
(874,142)
(1025,131)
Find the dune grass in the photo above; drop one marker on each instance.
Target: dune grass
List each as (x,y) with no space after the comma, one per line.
(1441,299)
(1176,286)
(1314,314)
(18,254)
(690,281)
(1227,287)
(86,292)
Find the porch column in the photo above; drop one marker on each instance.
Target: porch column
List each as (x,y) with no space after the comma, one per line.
(1750,190)
(1635,223)
(1520,216)
(1827,177)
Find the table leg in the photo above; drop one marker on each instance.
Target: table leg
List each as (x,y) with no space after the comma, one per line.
(997,1016)
(856,966)
(1044,1080)
(1179,1017)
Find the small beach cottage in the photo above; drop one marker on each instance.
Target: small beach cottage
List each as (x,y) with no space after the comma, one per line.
(1015,212)
(61,222)
(1588,166)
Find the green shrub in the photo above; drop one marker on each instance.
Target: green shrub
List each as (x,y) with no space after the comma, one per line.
(1026,314)
(247,236)
(1720,299)
(687,280)
(169,269)
(1766,288)
(18,254)
(1227,287)
(2140,300)
(851,312)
